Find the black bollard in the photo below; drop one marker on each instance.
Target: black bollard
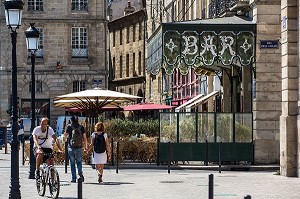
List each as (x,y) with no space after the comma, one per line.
(220,157)
(112,152)
(211,186)
(247,197)
(169,158)
(66,157)
(157,156)
(206,152)
(117,167)
(79,188)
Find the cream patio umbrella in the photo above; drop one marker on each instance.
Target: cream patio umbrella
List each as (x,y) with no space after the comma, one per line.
(93,101)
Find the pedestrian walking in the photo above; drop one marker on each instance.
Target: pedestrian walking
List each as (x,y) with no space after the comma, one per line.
(21,131)
(100,145)
(75,135)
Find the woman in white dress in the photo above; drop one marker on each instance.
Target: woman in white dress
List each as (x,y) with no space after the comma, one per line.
(100,158)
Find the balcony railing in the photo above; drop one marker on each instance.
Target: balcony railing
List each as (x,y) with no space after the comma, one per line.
(219,8)
(79,53)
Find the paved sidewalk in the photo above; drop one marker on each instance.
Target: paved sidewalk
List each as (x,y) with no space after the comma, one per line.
(157,183)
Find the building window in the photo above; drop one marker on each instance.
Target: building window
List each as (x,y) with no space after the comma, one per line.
(133,33)
(121,35)
(121,67)
(40,51)
(159,84)
(79,43)
(140,63)
(79,86)
(127,65)
(80,5)
(114,67)
(114,38)
(133,65)
(151,87)
(37,5)
(38,86)
(140,31)
(130,91)
(127,34)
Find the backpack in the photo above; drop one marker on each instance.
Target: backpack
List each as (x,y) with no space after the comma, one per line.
(99,143)
(76,137)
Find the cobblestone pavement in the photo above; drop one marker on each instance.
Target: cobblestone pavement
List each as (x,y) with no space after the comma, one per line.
(158,183)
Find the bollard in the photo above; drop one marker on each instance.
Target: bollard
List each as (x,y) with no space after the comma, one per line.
(112,152)
(169,158)
(206,152)
(79,189)
(66,157)
(247,197)
(211,186)
(220,157)
(157,156)
(117,167)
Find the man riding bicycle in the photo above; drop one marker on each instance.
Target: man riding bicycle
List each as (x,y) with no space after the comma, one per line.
(43,136)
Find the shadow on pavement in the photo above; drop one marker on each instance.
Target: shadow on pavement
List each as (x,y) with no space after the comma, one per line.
(110,183)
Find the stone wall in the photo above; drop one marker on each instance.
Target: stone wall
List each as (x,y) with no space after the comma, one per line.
(289,132)
(267,104)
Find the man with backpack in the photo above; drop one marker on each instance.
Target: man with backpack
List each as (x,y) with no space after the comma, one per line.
(75,134)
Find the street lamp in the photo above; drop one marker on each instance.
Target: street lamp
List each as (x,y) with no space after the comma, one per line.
(32,38)
(13,15)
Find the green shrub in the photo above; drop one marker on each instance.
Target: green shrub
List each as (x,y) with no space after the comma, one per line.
(124,128)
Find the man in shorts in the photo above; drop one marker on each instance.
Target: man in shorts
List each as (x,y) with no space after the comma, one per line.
(43,136)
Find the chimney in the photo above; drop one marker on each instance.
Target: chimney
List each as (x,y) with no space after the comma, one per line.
(129,9)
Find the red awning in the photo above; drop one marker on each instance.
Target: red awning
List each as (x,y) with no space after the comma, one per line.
(146,106)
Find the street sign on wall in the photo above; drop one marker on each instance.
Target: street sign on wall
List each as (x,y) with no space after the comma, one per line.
(269,44)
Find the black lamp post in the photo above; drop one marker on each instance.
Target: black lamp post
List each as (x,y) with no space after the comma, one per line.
(13,15)
(32,38)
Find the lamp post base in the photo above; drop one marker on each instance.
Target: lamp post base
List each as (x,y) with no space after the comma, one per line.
(31,160)
(14,192)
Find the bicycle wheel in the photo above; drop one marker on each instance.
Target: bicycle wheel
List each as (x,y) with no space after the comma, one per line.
(41,183)
(54,185)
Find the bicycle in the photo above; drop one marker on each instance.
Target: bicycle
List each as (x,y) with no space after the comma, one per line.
(48,176)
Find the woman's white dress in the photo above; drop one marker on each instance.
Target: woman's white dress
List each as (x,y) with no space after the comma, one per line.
(99,158)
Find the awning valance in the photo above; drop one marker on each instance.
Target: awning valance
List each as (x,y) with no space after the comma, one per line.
(202,43)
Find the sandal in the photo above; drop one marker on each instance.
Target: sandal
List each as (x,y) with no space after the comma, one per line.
(100,178)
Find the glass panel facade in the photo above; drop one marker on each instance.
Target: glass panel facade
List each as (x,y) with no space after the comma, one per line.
(243,127)
(187,127)
(168,127)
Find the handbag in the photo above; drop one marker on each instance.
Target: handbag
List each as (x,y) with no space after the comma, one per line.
(34,148)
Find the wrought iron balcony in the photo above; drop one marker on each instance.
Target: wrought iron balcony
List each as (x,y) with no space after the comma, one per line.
(220,8)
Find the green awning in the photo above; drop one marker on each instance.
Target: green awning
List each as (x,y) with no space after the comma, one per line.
(202,43)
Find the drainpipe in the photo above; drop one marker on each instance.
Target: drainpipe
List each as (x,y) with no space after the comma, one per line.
(144,56)
(105,45)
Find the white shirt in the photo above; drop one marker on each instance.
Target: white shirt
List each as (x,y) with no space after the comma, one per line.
(38,131)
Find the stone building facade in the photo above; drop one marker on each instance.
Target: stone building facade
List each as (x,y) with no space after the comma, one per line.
(289,119)
(127,53)
(71,55)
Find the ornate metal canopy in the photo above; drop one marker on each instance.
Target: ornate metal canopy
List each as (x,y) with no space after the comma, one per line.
(202,44)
